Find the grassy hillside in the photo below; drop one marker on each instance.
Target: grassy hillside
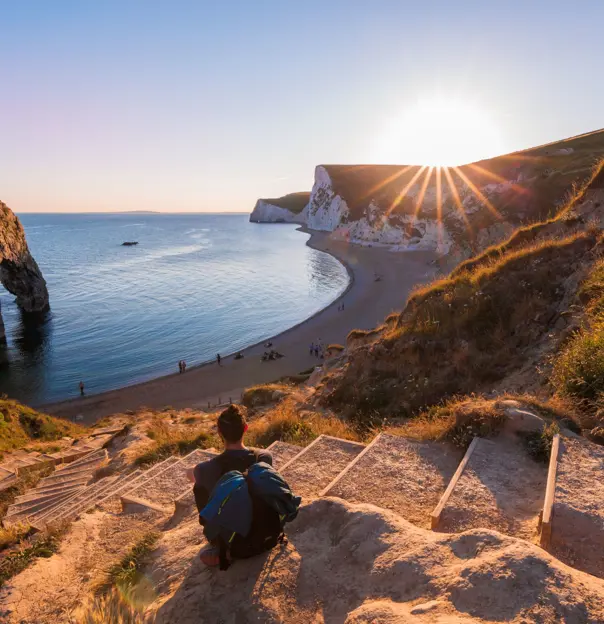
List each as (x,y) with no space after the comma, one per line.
(21,425)
(294,202)
(494,315)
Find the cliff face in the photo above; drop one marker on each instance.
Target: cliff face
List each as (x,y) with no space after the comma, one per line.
(456,211)
(19,272)
(265,212)
(291,208)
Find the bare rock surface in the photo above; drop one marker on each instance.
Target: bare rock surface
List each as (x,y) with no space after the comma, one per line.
(19,272)
(356,564)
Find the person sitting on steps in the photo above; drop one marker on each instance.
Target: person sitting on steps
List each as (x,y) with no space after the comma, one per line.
(232,425)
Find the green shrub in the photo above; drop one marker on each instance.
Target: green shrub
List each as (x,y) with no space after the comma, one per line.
(579,370)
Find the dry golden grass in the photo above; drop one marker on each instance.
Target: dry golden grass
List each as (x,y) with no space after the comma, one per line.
(264,394)
(174,439)
(460,334)
(284,422)
(115,608)
(20,425)
(458,421)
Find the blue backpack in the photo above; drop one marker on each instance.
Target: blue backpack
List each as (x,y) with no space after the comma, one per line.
(247,512)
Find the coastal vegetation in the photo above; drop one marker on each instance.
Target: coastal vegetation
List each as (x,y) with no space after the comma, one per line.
(21,425)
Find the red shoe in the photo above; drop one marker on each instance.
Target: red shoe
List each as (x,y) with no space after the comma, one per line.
(210,556)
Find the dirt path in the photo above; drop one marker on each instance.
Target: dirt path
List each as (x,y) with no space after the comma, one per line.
(366,304)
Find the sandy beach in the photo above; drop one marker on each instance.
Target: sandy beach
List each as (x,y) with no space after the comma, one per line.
(366,303)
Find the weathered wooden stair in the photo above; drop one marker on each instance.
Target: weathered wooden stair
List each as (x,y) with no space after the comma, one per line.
(55,490)
(498,487)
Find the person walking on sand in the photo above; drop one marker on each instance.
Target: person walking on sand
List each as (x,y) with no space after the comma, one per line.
(184,366)
(180,366)
(218,358)
(81,388)
(312,348)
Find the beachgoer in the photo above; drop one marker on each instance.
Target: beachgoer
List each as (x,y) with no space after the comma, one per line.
(81,388)
(232,425)
(312,348)
(184,366)
(218,358)
(316,351)
(180,366)
(239,355)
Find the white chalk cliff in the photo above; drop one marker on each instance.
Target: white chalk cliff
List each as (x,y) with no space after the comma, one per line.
(265,212)
(455,211)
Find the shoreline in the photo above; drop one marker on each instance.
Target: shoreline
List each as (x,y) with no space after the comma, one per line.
(367,303)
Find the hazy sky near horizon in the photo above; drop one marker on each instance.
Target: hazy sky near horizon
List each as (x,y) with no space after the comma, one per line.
(206,106)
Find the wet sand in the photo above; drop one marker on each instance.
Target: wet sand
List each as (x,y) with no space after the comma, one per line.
(366,303)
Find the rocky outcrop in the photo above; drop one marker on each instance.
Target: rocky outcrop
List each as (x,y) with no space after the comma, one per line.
(19,273)
(292,208)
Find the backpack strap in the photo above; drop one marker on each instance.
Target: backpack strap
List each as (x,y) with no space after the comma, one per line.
(225,465)
(222,556)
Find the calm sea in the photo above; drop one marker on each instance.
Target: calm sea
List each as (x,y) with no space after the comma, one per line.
(195,285)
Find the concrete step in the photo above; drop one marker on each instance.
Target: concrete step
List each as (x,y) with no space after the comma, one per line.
(86,458)
(131,503)
(35,494)
(309,472)
(577,514)
(186,501)
(398,474)
(113,503)
(8,480)
(51,489)
(73,511)
(283,452)
(74,479)
(168,485)
(96,457)
(109,501)
(79,503)
(23,512)
(112,430)
(499,487)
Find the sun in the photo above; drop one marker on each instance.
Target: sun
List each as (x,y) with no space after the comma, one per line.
(439,132)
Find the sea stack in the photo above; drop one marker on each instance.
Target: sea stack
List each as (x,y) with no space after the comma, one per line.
(19,272)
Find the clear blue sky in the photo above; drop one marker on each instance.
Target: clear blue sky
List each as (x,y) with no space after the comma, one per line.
(194,106)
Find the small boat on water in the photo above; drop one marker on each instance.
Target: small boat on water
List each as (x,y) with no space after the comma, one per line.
(129,243)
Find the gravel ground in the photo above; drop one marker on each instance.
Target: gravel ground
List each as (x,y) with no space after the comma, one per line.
(578,515)
(312,472)
(403,476)
(282,452)
(502,488)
